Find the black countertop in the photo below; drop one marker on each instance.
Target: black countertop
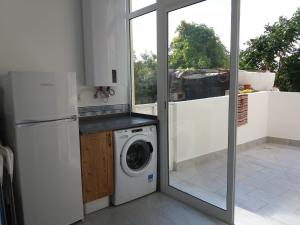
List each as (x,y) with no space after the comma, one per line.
(95,124)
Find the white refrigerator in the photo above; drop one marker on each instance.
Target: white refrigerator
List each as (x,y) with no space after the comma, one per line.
(40,111)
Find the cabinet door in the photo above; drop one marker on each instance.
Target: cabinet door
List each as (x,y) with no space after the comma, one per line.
(97,165)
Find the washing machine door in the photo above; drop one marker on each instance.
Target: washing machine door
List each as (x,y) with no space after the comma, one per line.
(136,155)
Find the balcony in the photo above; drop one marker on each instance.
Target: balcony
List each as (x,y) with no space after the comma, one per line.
(268,154)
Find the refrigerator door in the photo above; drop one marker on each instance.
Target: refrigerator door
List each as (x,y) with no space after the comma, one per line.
(49,172)
(43,96)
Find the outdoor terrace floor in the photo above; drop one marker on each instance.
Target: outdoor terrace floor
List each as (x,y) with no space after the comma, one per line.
(267,183)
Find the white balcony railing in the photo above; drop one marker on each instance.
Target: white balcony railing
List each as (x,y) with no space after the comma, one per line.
(199,127)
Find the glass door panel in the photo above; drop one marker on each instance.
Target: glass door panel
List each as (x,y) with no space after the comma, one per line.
(144,64)
(198,107)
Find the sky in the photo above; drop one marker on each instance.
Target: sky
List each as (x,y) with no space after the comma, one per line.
(138,4)
(255,14)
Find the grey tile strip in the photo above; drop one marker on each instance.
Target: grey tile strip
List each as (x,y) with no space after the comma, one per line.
(282,141)
(103,110)
(252,144)
(222,154)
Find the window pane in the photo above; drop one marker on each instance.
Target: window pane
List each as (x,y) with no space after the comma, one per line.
(199,44)
(139,4)
(269,87)
(199,75)
(144,63)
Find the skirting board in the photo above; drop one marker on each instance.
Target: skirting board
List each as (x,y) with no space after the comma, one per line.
(96,205)
(282,141)
(221,154)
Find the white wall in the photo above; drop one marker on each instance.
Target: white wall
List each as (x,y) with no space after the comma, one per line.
(202,125)
(149,109)
(258,116)
(284,112)
(46,35)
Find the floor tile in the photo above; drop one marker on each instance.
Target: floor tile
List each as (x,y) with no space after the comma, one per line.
(267,192)
(267,179)
(155,209)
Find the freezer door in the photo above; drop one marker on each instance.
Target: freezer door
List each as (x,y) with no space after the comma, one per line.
(43,96)
(49,172)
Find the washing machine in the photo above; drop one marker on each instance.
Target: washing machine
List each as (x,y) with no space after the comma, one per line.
(135,160)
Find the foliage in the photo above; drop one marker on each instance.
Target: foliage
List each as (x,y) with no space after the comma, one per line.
(276,50)
(145,71)
(288,76)
(198,47)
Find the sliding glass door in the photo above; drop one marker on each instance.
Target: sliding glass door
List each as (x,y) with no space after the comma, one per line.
(197,63)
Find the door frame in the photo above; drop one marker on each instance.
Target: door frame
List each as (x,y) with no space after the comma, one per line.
(163,7)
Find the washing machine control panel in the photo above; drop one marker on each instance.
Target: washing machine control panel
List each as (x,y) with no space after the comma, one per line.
(136,130)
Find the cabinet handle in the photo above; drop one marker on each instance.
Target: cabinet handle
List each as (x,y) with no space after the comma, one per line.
(109,140)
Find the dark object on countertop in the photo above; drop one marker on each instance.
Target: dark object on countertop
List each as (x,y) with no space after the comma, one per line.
(120,121)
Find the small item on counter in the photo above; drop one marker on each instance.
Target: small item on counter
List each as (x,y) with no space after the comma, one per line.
(246,91)
(247,86)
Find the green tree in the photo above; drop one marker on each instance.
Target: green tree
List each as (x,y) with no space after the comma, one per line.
(197,47)
(145,70)
(288,76)
(277,50)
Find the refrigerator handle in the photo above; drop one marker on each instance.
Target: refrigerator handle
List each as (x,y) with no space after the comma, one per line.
(73,118)
(27,123)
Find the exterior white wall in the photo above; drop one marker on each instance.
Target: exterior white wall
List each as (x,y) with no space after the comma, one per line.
(46,35)
(149,109)
(284,112)
(202,125)
(258,116)
(260,81)
(199,127)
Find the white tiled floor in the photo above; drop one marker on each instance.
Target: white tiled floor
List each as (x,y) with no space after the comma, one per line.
(155,209)
(267,183)
(267,192)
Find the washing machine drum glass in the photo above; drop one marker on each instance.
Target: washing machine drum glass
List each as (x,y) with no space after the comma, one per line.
(139,155)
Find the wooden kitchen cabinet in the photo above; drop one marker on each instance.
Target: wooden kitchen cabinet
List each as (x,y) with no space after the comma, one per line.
(97,165)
